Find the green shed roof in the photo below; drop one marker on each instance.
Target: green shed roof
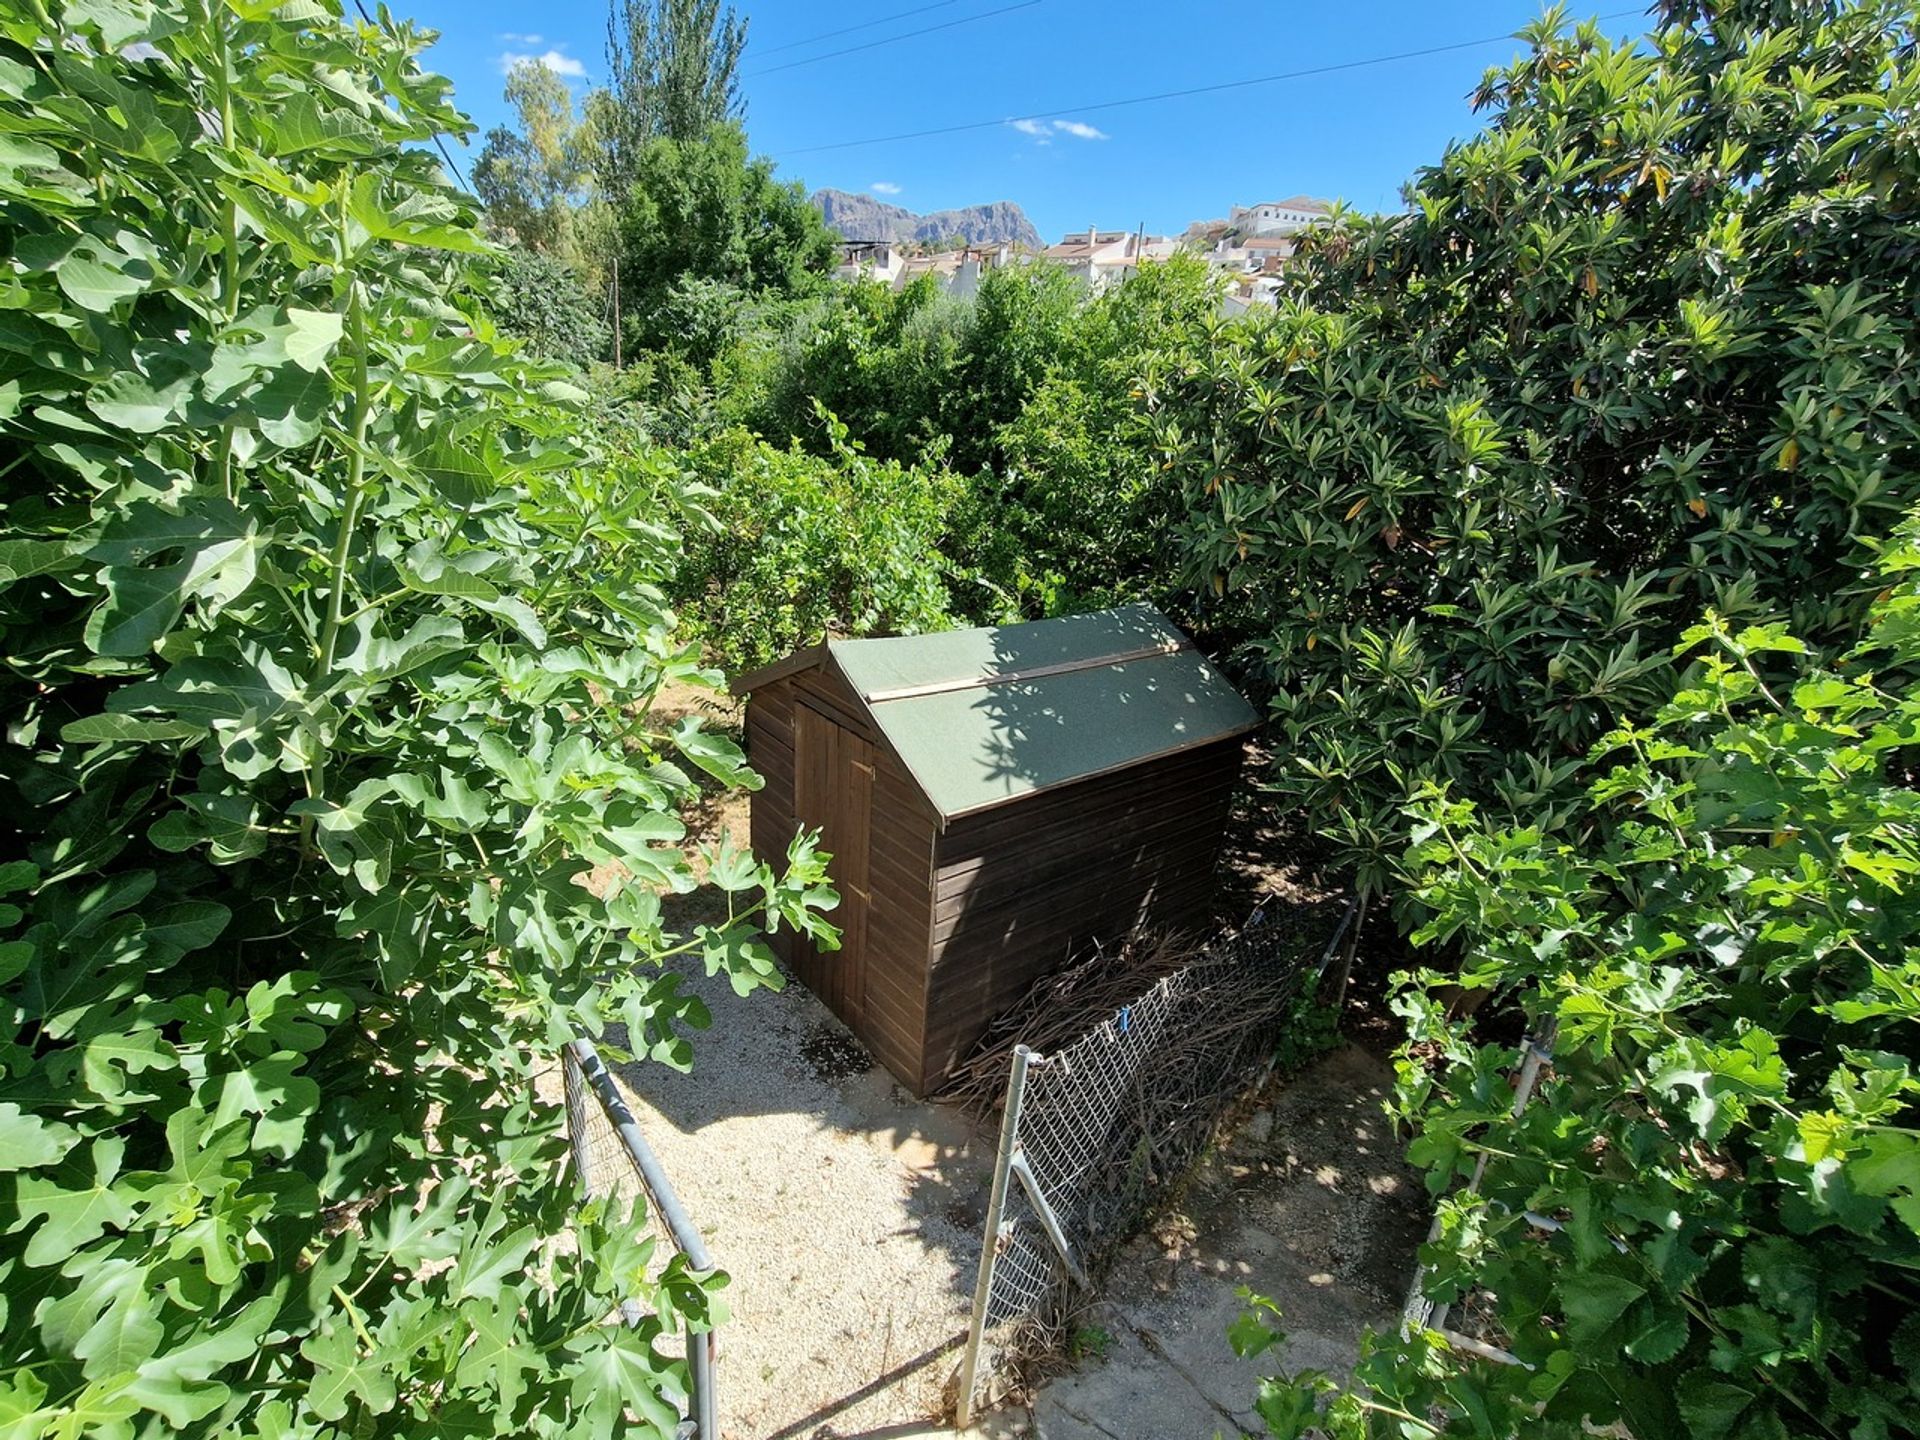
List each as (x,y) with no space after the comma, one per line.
(981,717)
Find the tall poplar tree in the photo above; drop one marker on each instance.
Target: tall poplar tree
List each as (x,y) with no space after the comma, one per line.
(673,70)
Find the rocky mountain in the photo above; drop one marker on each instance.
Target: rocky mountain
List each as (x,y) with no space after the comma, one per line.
(861,217)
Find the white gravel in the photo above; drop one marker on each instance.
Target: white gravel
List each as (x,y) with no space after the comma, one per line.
(847,1214)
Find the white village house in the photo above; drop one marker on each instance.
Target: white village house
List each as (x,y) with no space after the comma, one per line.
(1251,248)
(1278,217)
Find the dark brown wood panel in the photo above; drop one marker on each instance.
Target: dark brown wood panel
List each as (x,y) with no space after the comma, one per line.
(1057,817)
(1022,889)
(825,691)
(1122,870)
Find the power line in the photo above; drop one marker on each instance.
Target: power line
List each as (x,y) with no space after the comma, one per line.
(864,25)
(360,5)
(891,39)
(1173,94)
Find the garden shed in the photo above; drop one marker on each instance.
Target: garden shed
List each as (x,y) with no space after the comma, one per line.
(992,799)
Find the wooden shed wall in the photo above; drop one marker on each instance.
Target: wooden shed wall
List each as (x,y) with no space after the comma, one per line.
(1018,886)
(889,1013)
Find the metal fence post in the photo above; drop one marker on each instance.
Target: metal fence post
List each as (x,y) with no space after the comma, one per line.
(592,1072)
(1536,1054)
(990,1250)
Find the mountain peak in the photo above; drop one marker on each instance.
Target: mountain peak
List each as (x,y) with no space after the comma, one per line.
(861,217)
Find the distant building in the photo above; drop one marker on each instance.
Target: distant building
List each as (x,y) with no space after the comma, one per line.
(870,260)
(1252,254)
(957,272)
(975,261)
(1278,217)
(1247,292)
(1100,258)
(1254,246)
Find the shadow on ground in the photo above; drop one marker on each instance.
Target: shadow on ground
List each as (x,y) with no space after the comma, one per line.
(1309,1204)
(847,1213)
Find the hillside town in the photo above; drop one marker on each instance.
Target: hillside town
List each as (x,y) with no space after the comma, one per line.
(1249,250)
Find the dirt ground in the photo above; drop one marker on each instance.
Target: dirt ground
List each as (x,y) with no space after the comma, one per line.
(847,1214)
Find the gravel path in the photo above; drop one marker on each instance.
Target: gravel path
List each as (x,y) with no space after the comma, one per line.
(847,1213)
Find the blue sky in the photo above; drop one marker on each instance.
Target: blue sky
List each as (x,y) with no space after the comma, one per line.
(1354,134)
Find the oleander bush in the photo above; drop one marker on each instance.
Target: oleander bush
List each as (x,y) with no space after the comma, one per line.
(330,650)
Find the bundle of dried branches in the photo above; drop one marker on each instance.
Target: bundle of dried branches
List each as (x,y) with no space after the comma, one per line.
(1060,1008)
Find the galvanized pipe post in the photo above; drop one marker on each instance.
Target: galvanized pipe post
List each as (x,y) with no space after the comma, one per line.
(990,1250)
(686,1237)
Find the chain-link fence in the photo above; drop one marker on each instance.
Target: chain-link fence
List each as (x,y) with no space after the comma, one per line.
(614,1162)
(1096,1136)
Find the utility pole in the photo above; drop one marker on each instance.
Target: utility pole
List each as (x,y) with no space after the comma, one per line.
(616,310)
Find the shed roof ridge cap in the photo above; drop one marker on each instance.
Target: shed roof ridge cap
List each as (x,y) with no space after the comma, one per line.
(1167,645)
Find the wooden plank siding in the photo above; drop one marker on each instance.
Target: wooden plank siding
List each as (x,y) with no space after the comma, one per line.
(1018,889)
(876,983)
(948,928)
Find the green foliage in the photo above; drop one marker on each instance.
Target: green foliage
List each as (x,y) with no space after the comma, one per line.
(1028,388)
(914,370)
(1311,1029)
(801,545)
(1644,345)
(882,360)
(1089,1342)
(674,71)
(699,210)
(1725,1150)
(1083,490)
(532,180)
(540,300)
(330,653)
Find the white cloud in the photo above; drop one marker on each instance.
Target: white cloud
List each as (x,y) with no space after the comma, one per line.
(1043,131)
(513,39)
(554,60)
(885,187)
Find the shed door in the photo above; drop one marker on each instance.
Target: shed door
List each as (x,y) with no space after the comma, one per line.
(833,770)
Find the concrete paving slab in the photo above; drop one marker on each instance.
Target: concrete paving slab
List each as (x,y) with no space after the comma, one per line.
(1310,1205)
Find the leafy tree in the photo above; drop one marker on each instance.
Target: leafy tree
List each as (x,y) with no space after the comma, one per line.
(881,360)
(329,658)
(1022,327)
(701,210)
(675,74)
(541,301)
(1082,491)
(532,180)
(1644,345)
(802,544)
(1706,1223)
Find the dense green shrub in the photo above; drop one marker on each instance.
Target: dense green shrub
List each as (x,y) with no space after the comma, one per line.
(1080,484)
(802,544)
(879,359)
(914,373)
(704,213)
(1028,388)
(329,650)
(1707,1222)
(539,299)
(1644,345)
